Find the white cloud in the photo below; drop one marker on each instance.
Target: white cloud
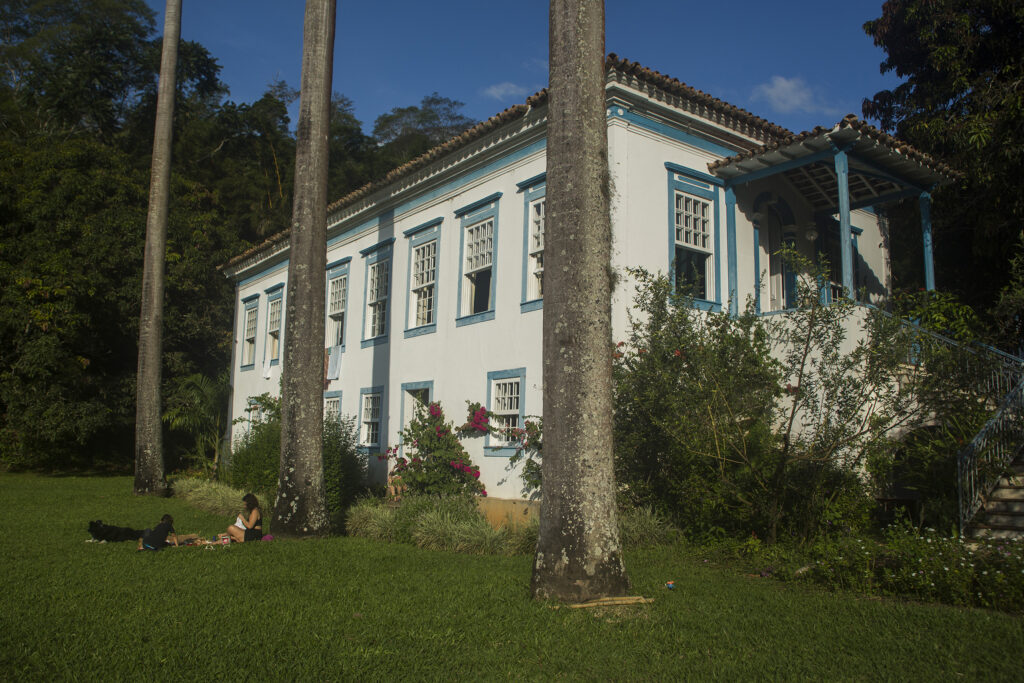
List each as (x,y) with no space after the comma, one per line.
(791,95)
(503,91)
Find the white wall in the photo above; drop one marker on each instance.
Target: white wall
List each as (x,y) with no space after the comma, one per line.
(456,359)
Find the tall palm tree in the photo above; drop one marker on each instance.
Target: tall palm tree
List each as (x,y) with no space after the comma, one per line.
(149,446)
(578,551)
(301,506)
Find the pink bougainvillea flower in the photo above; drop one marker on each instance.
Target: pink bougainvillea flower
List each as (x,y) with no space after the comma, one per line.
(435,410)
(677,353)
(476,474)
(483,493)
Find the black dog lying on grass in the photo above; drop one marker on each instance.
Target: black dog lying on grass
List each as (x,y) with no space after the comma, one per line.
(107,532)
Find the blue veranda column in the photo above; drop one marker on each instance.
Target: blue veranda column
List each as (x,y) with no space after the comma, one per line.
(925,201)
(845,236)
(730,246)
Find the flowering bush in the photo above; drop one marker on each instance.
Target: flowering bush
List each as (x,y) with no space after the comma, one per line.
(435,462)
(479,419)
(527,441)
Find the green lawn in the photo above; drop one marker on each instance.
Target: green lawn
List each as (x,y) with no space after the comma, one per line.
(350,609)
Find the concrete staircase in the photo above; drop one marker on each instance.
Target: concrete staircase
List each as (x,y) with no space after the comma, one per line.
(1002,515)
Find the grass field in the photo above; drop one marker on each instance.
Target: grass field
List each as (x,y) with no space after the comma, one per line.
(351,609)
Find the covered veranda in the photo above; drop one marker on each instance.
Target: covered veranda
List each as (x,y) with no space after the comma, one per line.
(837,170)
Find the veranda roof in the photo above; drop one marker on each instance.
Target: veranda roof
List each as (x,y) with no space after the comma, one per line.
(881,168)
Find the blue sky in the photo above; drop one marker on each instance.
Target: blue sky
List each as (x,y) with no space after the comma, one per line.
(798,63)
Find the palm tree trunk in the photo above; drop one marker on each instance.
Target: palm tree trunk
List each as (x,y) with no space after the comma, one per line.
(301,506)
(578,552)
(149,447)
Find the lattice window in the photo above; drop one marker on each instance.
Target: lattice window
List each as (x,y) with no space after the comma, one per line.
(332,408)
(249,352)
(537,223)
(377,297)
(338,296)
(479,255)
(479,246)
(424,277)
(371,420)
(693,222)
(505,407)
(274,329)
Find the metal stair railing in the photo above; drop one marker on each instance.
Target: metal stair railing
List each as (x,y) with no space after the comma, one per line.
(1003,370)
(982,462)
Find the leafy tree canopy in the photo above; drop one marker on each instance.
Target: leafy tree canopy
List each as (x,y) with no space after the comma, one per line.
(407,132)
(962,99)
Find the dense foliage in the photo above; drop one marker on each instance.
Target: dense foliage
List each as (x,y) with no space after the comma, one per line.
(255,457)
(769,425)
(961,100)
(77,103)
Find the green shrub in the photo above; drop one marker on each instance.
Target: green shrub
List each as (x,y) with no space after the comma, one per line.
(256,453)
(733,425)
(522,540)
(344,467)
(643,527)
(256,456)
(212,496)
(447,529)
(455,523)
(369,518)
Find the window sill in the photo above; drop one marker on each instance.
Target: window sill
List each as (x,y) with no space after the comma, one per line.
(705,305)
(421,330)
(475,318)
(535,305)
(246,368)
(274,362)
(367,343)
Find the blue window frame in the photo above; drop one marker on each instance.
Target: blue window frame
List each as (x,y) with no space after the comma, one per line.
(250,315)
(506,401)
(534,211)
(275,324)
(372,419)
(478,265)
(694,242)
(414,394)
(377,293)
(336,305)
(422,280)
(332,404)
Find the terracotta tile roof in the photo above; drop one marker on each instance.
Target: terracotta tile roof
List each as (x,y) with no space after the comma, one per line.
(733,115)
(676,87)
(847,124)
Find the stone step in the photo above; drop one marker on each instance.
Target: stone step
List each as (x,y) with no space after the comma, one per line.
(1006,519)
(997,504)
(1011,481)
(1008,493)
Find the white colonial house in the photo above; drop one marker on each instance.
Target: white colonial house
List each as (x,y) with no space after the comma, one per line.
(434,280)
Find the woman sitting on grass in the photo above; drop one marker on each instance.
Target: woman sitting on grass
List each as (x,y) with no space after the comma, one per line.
(251,518)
